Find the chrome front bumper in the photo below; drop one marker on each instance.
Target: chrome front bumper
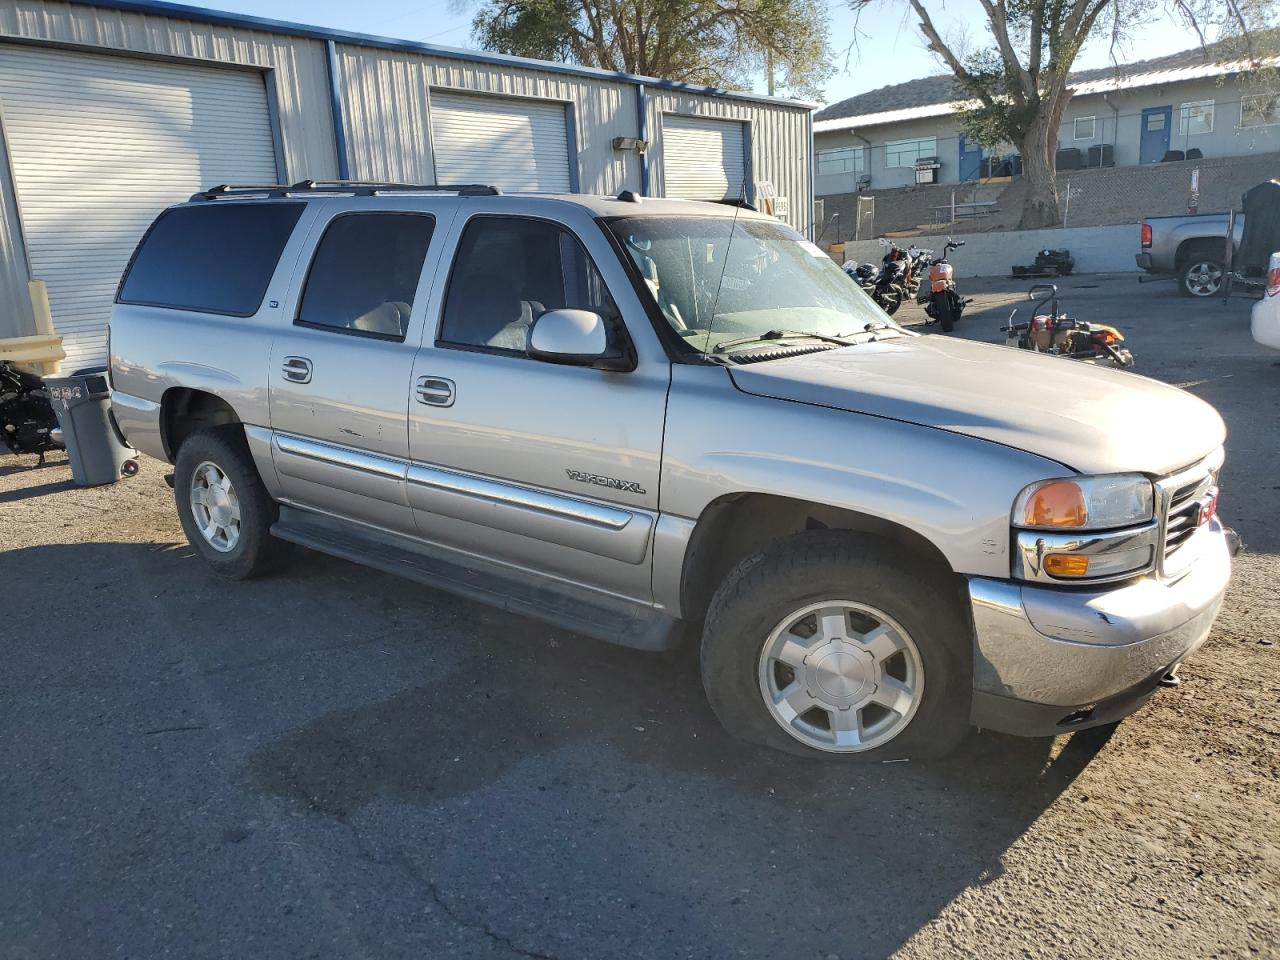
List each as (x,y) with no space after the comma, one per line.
(1048,660)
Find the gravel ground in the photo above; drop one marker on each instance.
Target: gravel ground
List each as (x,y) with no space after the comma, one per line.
(335,763)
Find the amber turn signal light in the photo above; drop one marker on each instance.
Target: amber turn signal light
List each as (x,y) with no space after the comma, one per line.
(1066,565)
(1056,504)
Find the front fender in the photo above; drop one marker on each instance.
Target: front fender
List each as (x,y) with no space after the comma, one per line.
(954,491)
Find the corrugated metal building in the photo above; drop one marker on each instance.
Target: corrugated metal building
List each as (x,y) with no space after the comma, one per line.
(111,110)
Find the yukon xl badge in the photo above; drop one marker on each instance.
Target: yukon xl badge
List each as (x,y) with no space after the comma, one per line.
(614,484)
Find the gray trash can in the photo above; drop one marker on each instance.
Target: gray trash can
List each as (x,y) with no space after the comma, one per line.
(97,451)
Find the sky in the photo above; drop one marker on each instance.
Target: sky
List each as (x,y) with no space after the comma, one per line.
(888,48)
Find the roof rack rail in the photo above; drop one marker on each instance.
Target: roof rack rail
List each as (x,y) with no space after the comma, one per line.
(359,188)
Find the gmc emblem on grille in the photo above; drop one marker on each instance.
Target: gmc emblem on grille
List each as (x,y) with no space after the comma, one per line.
(612,483)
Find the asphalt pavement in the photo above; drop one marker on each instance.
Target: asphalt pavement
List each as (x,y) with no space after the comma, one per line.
(333,762)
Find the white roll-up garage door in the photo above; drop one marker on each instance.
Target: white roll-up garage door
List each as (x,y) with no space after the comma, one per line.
(99,146)
(520,146)
(702,159)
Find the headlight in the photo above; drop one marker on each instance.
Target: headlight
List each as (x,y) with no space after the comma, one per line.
(1085,503)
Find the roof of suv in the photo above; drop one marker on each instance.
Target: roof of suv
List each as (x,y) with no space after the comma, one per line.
(624,204)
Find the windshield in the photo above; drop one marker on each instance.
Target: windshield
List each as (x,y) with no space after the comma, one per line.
(717,279)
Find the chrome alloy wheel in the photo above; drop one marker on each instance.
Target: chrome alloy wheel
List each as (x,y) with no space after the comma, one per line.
(841,676)
(1203,279)
(215,507)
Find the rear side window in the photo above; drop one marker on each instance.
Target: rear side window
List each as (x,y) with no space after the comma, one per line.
(215,258)
(365,272)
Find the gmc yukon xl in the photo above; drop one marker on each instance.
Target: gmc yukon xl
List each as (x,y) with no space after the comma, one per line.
(628,417)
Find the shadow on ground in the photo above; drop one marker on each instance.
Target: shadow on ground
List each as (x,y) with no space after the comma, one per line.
(576,768)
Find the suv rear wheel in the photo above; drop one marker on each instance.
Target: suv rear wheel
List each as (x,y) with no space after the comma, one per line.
(225,510)
(831,643)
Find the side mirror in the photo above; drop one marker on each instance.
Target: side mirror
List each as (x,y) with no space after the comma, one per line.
(580,338)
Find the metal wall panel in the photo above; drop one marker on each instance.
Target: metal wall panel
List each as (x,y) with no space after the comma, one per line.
(298,67)
(780,151)
(99,145)
(519,146)
(703,159)
(385,114)
(15,304)
(602,110)
(394,143)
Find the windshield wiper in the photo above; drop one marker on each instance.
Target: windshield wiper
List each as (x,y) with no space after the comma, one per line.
(779,335)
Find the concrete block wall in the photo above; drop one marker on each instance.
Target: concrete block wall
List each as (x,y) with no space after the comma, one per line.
(1108,249)
(1112,195)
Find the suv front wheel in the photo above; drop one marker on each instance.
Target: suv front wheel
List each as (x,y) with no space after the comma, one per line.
(225,510)
(831,643)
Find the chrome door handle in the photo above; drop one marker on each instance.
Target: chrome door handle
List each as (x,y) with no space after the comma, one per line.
(297,369)
(435,391)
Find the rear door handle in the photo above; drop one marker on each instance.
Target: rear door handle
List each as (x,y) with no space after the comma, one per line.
(297,369)
(435,391)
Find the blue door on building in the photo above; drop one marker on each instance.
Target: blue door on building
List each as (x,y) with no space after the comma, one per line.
(970,159)
(1155,134)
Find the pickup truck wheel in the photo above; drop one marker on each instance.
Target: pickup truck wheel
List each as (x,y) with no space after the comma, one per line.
(1202,277)
(834,644)
(225,510)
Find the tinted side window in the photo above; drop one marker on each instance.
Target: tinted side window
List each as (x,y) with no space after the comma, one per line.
(365,272)
(508,271)
(217,257)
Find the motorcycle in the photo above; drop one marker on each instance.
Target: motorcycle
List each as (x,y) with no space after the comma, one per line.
(920,259)
(891,286)
(863,274)
(943,303)
(1057,334)
(27,420)
(882,284)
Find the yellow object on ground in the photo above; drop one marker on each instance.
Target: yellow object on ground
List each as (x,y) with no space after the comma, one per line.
(40,353)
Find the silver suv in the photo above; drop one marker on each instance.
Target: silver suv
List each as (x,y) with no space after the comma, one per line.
(628,416)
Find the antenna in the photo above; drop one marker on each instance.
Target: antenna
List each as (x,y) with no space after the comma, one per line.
(733,229)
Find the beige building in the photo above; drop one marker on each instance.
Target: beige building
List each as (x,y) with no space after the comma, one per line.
(1185,106)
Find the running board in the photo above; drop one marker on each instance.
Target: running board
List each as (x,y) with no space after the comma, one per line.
(570,607)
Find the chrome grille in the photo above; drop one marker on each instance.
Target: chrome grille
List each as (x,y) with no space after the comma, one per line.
(1184,512)
(1181,497)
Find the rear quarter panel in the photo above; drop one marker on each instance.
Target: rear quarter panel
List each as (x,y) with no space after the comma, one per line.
(157,349)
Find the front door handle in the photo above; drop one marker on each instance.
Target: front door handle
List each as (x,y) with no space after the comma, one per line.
(297,369)
(435,391)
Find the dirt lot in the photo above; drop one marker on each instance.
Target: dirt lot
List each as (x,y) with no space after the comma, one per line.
(335,763)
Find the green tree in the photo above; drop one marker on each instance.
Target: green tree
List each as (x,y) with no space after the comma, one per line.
(1015,84)
(718,42)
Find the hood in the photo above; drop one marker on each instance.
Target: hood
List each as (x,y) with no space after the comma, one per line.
(1092,419)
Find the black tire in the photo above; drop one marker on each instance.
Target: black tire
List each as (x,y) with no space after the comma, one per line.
(255,552)
(943,313)
(819,565)
(1201,276)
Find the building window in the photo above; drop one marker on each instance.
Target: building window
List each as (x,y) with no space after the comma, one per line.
(842,160)
(1085,128)
(1259,109)
(1195,118)
(905,153)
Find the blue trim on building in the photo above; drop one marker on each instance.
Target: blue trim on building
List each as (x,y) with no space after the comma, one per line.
(335,105)
(808,216)
(184,12)
(642,124)
(571,135)
(748,165)
(273,118)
